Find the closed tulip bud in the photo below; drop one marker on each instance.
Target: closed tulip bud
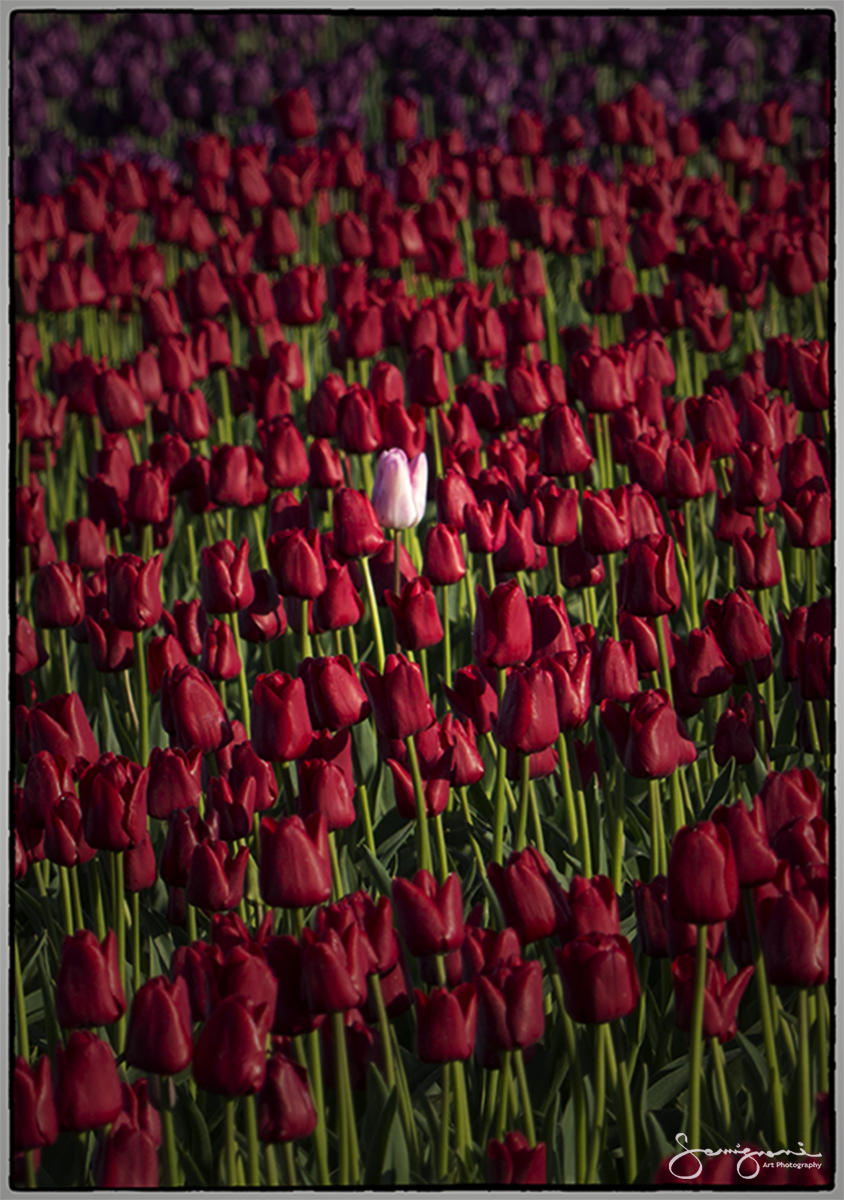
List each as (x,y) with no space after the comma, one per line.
(648,584)
(649,739)
(192,711)
(552,633)
(297,563)
(216,876)
(510,1012)
(572,688)
(435,792)
(35,1123)
(220,658)
(281,727)
(295,871)
(443,556)
(60,726)
(230,1058)
(401,705)
(720,999)
(335,696)
(794,929)
(606,521)
(563,449)
(119,401)
(333,970)
(88,987)
(702,878)
(615,675)
(808,522)
(236,477)
(113,793)
(429,917)
(159,1037)
(357,528)
(527,717)
(735,733)
(533,901)
(789,796)
(515,1163)
(416,616)
(804,843)
(339,604)
(599,977)
(286,1110)
(133,590)
(296,115)
(474,697)
(224,577)
(756,862)
(554,514)
(502,635)
(592,907)
(741,632)
(650,901)
(87,1087)
(446,1022)
(57,600)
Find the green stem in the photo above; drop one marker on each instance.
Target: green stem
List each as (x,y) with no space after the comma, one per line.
(503,1093)
(721,1080)
(442,852)
(373,608)
(527,1107)
(20,1001)
(349,1155)
(600,1103)
(696,1048)
(119,909)
(397,572)
(447,636)
(289,1164)
(244,686)
(690,559)
(435,434)
(445,1122)
(823,1041)
(143,691)
(336,877)
(77,899)
(136,941)
(568,790)
(68,686)
(66,904)
(574,1061)
(521,829)
(804,1095)
(500,778)
(252,1150)
(613,595)
(461,1112)
(231,1148)
(315,1076)
(169,1137)
(259,537)
(384,1028)
(422,840)
(628,1132)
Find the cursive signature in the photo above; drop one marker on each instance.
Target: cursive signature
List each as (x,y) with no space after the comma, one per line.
(747,1166)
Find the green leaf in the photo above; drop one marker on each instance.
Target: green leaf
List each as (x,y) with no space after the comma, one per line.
(199,1140)
(376,867)
(718,790)
(669,1083)
(756,773)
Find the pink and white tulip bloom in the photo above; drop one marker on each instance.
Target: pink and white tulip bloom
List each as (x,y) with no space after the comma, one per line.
(400,489)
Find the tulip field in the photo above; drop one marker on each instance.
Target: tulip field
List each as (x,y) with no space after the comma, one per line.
(421,455)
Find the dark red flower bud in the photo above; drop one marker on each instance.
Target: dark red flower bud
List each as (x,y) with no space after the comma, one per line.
(443,555)
(335,696)
(649,739)
(606,521)
(741,632)
(295,871)
(809,521)
(159,1038)
(554,514)
(133,589)
(648,584)
(119,401)
(224,577)
(230,1058)
(446,1022)
(702,877)
(533,901)
(184,624)
(614,672)
(514,1163)
(215,878)
(756,862)
(60,726)
(755,482)
(401,705)
(281,727)
(416,616)
(527,718)
(474,697)
(285,1108)
(757,561)
(599,977)
(339,604)
(87,1087)
(357,530)
(592,907)
(88,987)
(720,1000)
(236,477)
(502,635)
(510,1012)
(429,917)
(794,929)
(57,601)
(333,969)
(191,710)
(297,563)
(35,1123)
(788,796)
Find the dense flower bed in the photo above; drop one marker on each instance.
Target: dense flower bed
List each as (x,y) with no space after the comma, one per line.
(423,624)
